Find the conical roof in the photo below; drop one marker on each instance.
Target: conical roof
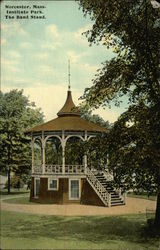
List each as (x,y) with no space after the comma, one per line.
(69,107)
(68,119)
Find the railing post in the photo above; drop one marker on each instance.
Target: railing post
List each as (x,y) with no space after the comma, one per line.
(109,200)
(119,192)
(124,197)
(43,153)
(32,148)
(85,156)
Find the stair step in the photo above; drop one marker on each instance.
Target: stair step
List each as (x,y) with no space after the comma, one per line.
(115,198)
(116,201)
(101,177)
(117,204)
(106,185)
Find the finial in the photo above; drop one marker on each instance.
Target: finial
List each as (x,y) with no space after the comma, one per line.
(69,75)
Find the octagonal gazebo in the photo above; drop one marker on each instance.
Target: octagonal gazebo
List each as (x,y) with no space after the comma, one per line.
(63,183)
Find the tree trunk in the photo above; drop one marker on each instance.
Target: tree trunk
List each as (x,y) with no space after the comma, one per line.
(9,167)
(9,180)
(157,216)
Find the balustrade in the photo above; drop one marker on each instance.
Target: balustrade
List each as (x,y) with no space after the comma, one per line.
(53,169)
(58,169)
(37,169)
(98,187)
(74,169)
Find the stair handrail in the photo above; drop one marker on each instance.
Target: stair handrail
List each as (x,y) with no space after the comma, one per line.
(99,188)
(108,176)
(122,195)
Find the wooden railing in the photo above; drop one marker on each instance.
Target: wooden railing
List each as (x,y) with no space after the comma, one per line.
(37,169)
(99,188)
(74,169)
(122,195)
(53,169)
(58,169)
(108,176)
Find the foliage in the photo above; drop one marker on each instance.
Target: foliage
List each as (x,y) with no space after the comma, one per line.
(97,154)
(86,114)
(16,116)
(53,151)
(130,29)
(74,152)
(15,182)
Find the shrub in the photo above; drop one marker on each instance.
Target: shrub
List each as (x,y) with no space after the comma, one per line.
(16,182)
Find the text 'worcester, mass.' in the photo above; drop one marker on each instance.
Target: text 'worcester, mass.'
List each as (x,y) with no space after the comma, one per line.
(25,12)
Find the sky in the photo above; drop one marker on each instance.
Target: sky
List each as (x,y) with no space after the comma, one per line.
(35,53)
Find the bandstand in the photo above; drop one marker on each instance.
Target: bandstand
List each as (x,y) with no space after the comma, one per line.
(62,182)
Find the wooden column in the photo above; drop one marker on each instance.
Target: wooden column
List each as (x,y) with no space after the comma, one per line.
(43,153)
(32,148)
(63,152)
(85,156)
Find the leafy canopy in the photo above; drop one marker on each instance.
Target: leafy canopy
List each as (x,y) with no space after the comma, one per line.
(130,29)
(16,116)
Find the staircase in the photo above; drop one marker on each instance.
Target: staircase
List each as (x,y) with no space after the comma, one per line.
(104,188)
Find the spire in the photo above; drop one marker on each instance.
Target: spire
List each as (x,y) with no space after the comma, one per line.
(69,76)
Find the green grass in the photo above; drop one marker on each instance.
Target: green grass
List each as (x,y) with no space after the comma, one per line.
(17,197)
(28,231)
(22,199)
(14,192)
(142,196)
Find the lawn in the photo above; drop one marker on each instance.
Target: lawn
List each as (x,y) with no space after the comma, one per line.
(143,196)
(17,197)
(28,231)
(14,192)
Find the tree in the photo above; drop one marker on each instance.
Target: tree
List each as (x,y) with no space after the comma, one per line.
(130,29)
(17,114)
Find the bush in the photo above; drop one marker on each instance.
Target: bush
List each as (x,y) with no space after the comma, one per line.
(16,182)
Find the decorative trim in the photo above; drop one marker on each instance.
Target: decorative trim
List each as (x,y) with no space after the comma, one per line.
(69,136)
(37,137)
(49,136)
(57,176)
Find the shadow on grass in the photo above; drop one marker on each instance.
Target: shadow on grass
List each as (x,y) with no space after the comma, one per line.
(92,229)
(13,192)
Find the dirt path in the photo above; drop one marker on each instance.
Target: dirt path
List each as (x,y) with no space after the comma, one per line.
(133,206)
